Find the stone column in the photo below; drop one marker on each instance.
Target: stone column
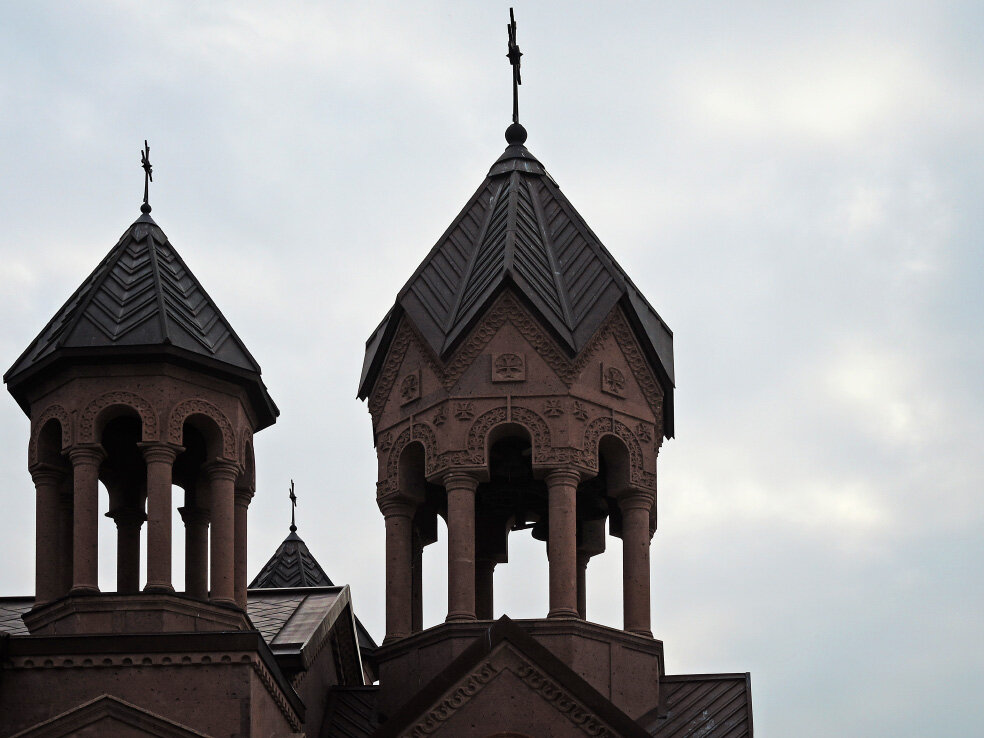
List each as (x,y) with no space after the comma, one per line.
(86,458)
(417,580)
(461,545)
(159,457)
(562,542)
(484,596)
(66,524)
(398,513)
(582,584)
(48,551)
(128,522)
(222,475)
(635,508)
(196,551)
(243,497)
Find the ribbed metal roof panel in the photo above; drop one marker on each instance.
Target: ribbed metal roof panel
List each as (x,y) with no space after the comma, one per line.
(704,706)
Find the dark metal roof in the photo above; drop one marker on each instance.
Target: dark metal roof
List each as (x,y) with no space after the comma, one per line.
(12,610)
(704,705)
(519,229)
(292,565)
(143,301)
(350,712)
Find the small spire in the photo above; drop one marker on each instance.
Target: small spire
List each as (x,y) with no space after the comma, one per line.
(293,506)
(515,133)
(148,177)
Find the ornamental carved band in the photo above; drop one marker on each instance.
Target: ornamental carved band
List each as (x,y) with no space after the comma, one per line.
(54,412)
(563,702)
(148,418)
(184,409)
(418,432)
(449,705)
(609,426)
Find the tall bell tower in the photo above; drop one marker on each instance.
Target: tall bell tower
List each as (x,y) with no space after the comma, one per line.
(140,384)
(520,381)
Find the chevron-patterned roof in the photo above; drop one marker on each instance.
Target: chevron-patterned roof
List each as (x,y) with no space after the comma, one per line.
(519,229)
(293,565)
(142,297)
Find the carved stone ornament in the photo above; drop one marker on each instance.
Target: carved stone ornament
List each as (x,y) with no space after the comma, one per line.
(579,411)
(612,381)
(644,432)
(440,417)
(464,410)
(553,408)
(508,367)
(386,442)
(448,706)
(410,387)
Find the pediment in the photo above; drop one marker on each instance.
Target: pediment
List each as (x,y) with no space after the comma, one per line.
(507,684)
(110,717)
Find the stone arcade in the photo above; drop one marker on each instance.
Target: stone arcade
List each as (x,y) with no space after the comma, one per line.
(519,381)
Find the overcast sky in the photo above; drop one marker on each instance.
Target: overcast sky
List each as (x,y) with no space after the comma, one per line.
(796,187)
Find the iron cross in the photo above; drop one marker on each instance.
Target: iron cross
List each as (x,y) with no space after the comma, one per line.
(293,506)
(514,56)
(148,175)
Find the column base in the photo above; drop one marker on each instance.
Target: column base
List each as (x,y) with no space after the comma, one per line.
(158,589)
(564,613)
(223,602)
(460,617)
(84,589)
(643,633)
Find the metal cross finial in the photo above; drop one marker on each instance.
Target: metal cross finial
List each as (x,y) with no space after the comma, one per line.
(514,56)
(293,506)
(148,176)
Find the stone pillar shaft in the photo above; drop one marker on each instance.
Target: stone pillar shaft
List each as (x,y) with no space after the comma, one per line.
(86,459)
(66,524)
(582,584)
(159,457)
(635,562)
(48,551)
(417,579)
(484,594)
(128,522)
(562,542)
(196,551)
(243,498)
(461,545)
(398,514)
(222,479)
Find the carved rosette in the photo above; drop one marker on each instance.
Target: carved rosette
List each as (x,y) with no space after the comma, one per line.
(508,367)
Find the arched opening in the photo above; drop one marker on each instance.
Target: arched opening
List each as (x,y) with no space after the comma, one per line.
(201,439)
(54,513)
(123,498)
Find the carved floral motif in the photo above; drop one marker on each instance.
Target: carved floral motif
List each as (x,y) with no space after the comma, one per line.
(464,410)
(553,408)
(643,432)
(612,381)
(508,367)
(440,417)
(148,417)
(579,411)
(386,442)
(410,387)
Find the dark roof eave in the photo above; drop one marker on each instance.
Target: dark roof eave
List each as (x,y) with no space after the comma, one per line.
(264,406)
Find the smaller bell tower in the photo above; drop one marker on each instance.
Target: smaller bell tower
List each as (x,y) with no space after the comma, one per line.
(138,386)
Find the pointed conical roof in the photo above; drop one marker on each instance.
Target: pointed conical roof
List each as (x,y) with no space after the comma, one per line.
(292,565)
(142,301)
(520,230)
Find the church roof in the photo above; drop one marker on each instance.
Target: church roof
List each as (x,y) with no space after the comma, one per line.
(143,302)
(711,705)
(519,229)
(292,565)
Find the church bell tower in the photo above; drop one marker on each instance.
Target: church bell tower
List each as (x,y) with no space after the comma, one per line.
(137,385)
(520,381)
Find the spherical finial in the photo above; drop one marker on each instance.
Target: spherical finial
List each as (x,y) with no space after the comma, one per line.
(145,208)
(515,134)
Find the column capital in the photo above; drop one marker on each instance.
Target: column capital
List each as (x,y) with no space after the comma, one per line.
(222,469)
(243,496)
(395,505)
(159,451)
(42,473)
(86,453)
(193,515)
(563,475)
(126,516)
(460,480)
(632,499)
